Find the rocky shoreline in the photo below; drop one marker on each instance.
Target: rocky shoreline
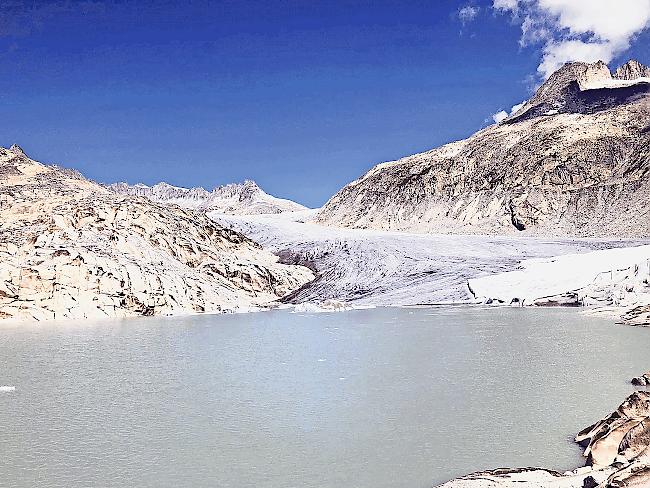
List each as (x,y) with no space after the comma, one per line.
(617,449)
(72,249)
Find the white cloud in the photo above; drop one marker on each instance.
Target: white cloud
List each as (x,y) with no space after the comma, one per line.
(468,13)
(500,116)
(609,20)
(558,53)
(506,5)
(516,107)
(577,30)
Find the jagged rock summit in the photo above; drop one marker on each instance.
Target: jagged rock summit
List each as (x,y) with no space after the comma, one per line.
(572,161)
(632,70)
(16,149)
(71,248)
(553,93)
(234,199)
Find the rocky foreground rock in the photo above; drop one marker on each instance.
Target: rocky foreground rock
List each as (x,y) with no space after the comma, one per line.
(617,449)
(572,161)
(71,248)
(643,380)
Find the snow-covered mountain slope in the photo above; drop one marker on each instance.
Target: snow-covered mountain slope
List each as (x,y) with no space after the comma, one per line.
(370,267)
(235,198)
(572,161)
(70,248)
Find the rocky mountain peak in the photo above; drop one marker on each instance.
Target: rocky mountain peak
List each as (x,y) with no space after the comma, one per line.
(585,88)
(251,184)
(552,92)
(573,161)
(632,70)
(233,198)
(248,189)
(583,73)
(17,150)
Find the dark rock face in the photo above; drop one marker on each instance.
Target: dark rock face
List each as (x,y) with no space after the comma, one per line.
(643,380)
(589,482)
(590,101)
(575,160)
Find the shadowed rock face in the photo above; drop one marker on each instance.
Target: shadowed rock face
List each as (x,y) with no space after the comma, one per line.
(643,380)
(574,160)
(590,101)
(70,248)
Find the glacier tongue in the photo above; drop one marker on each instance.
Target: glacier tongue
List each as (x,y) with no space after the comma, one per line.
(369,267)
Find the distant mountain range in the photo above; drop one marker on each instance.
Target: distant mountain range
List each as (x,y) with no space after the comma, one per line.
(574,160)
(234,199)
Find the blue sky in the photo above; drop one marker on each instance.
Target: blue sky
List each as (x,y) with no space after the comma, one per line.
(302,97)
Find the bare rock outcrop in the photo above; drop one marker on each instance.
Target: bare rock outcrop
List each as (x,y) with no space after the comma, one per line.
(573,161)
(70,248)
(617,449)
(632,70)
(638,315)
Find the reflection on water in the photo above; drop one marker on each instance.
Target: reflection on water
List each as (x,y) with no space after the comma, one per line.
(367,398)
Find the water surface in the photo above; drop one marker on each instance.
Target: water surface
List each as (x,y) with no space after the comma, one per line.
(367,398)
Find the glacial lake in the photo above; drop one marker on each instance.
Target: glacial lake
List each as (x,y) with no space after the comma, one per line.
(387,397)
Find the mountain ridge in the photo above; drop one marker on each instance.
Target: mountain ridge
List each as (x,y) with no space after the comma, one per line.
(572,161)
(234,198)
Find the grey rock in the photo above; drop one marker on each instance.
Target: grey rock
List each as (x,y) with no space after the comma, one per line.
(573,161)
(643,380)
(638,316)
(631,71)
(617,450)
(589,482)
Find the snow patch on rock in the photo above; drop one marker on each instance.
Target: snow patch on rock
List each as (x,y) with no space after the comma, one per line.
(614,279)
